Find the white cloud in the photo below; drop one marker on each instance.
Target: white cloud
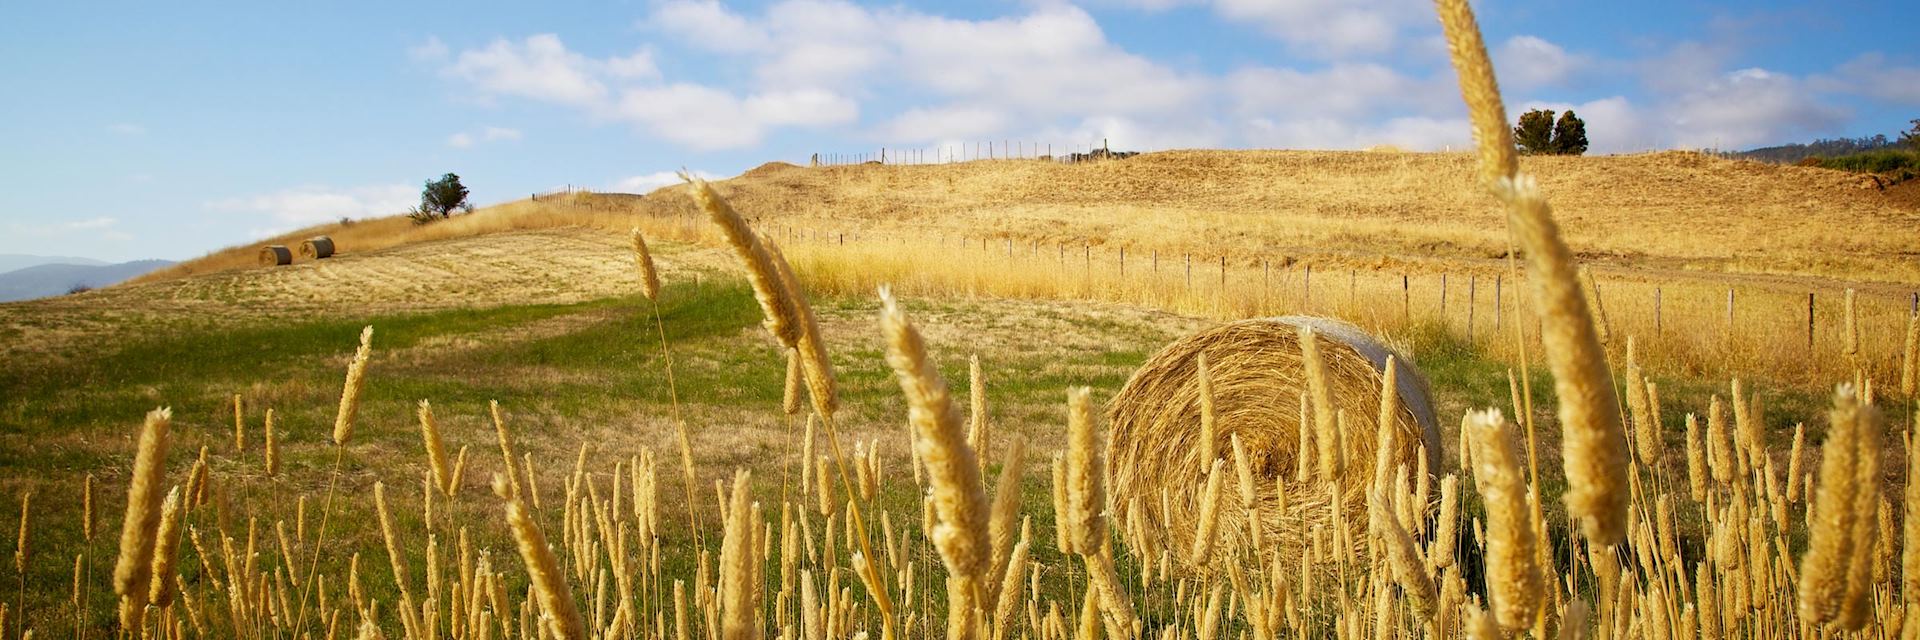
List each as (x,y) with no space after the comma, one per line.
(1748,107)
(465,140)
(297,207)
(1331,28)
(432,50)
(1874,76)
(540,68)
(127,129)
(104,227)
(1416,133)
(1529,61)
(708,24)
(943,124)
(647,183)
(639,65)
(1348,91)
(703,117)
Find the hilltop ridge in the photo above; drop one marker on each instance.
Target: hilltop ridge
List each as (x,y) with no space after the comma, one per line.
(1678,210)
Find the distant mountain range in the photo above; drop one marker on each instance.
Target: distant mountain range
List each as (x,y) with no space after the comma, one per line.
(51,276)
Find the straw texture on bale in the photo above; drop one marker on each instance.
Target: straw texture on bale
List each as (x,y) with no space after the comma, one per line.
(1257,378)
(316,248)
(275,255)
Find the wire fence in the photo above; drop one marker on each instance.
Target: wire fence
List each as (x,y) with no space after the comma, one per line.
(971,151)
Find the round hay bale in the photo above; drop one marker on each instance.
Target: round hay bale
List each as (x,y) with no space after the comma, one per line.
(275,255)
(1258,379)
(316,248)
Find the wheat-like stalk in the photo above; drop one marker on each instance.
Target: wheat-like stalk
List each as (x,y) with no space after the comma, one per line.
(1326,432)
(239,425)
(166,544)
(1514,579)
(436,449)
(1206,527)
(1796,461)
(1910,358)
(1086,492)
(1403,556)
(782,320)
(821,386)
(977,425)
(958,494)
(643,260)
(272,444)
(790,392)
(20,542)
(133,570)
(1000,526)
(350,393)
(544,573)
(740,575)
(1824,570)
(88,516)
(1697,473)
(1595,457)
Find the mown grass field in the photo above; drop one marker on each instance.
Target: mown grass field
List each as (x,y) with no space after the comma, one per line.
(589,371)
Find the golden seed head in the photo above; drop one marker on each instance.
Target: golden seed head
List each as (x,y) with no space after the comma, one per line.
(350,393)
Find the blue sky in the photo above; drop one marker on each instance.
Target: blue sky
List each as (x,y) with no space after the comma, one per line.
(135,130)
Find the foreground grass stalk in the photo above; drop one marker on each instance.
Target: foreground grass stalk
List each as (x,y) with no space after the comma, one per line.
(342,433)
(1595,456)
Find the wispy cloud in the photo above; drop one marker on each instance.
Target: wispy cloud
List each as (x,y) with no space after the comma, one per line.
(297,207)
(467,139)
(646,183)
(105,227)
(127,129)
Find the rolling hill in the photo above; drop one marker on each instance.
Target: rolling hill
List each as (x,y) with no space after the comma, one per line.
(44,280)
(1670,210)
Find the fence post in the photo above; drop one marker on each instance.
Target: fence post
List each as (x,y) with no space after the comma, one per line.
(1009,247)
(1223,273)
(1443,295)
(1306,289)
(1658,328)
(1406,298)
(1156,261)
(1499,300)
(1729,312)
(1123,262)
(1473,292)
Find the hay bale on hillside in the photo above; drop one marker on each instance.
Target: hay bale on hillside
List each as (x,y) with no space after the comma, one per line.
(275,255)
(1258,377)
(316,248)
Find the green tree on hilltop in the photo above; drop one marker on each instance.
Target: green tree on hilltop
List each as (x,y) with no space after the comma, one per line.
(1570,135)
(1535,132)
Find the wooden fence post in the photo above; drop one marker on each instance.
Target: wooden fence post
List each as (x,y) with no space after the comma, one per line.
(1729,312)
(1306,290)
(1443,295)
(1473,292)
(1123,262)
(1223,273)
(1189,272)
(1658,328)
(1499,300)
